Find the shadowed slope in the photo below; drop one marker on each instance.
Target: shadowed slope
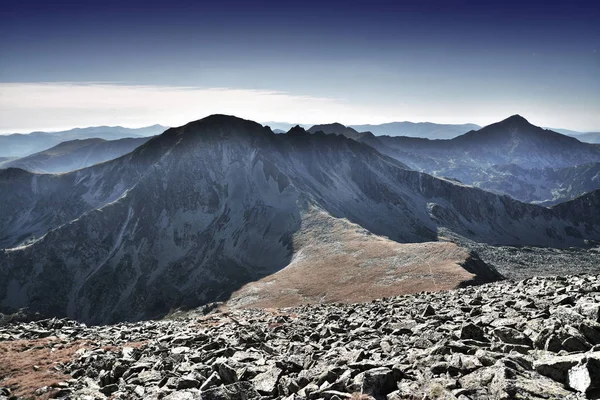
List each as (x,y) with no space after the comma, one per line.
(197,212)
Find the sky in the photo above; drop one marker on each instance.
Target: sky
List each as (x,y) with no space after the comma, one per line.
(135,63)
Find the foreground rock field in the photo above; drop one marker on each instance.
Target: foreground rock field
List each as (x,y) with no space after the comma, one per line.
(533,339)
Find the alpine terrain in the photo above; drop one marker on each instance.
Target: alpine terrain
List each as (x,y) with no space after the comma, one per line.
(195,214)
(510,157)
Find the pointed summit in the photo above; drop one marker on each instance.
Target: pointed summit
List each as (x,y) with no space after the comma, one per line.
(515,122)
(513,126)
(512,141)
(516,119)
(297,131)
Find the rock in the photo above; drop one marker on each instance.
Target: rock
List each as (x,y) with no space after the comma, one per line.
(557,367)
(212,381)
(473,332)
(564,300)
(235,391)
(187,383)
(183,396)
(109,389)
(591,331)
(512,336)
(266,383)
(334,394)
(575,344)
(129,354)
(377,382)
(585,376)
(553,344)
(226,373)
(515,346)
(429,311)
(589,310)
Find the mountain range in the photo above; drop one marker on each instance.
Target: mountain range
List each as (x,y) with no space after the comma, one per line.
(195,214)
(19,144)
(587,137)
(426,130)
(511,157)
(75,154)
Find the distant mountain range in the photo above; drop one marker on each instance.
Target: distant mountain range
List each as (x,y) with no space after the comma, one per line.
(426,130)
(21,144)
(417,129)
(511,157)
(411,129)
(195,213)
(338,129)
(75,154)
(588,137)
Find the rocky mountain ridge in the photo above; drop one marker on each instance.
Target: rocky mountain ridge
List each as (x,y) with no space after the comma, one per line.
(244,199)
(511,157)
(533,339)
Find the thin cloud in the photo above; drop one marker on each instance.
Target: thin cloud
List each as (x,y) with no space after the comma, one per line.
(52,106)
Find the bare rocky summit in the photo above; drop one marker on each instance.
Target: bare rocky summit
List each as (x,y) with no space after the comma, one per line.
(534,339)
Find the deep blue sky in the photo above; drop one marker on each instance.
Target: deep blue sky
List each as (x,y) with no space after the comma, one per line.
(442,61)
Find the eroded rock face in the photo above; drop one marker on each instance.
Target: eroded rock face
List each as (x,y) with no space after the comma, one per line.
(498,341)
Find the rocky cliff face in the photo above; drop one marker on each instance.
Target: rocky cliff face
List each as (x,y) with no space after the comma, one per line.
(533,339)
(197,212)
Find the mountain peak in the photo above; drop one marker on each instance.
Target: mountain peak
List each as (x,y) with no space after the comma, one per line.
(215,127)
(297,131)
(335,128)
(516,130)
(219,125)
(515,120)
(515,124)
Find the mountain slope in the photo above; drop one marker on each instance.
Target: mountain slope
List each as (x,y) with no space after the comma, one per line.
(21,145)
(511,141)
(511,157)
(197,212)
(337,129)
(591,137)
(76,154)
(544,186)
(426,130)
(586,137)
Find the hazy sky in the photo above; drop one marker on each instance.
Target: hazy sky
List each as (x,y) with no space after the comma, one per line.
(80,63)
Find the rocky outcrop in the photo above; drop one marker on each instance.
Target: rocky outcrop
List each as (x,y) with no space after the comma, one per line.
(533,339)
